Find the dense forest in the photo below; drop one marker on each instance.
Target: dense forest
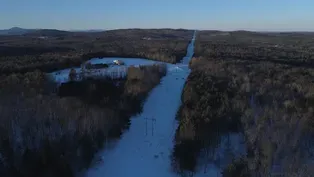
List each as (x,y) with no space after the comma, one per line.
(50,50)
(258,85)
(49,129)
(282,48)
(55,131)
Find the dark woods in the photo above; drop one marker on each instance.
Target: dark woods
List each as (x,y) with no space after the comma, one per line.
(209,111)
(257,85)
(253,84)
(29,52)
(47,131)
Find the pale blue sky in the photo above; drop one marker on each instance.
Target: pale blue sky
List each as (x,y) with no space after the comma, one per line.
(193,14)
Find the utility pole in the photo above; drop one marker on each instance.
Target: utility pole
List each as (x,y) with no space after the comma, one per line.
(146,125)
(153,120)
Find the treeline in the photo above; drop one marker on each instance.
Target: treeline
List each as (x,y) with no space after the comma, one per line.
(210,109)
(51,131)
(26,53)
(283,48)
(270,104)
(238,85)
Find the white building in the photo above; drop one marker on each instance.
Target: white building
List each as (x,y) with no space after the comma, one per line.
(118,62)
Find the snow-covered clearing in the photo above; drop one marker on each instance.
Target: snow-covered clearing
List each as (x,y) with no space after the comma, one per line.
(119,70)
(145,149)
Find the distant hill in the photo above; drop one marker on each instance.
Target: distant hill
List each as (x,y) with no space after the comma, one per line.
(89,31)
(15,31)
(43,32)
(48,32)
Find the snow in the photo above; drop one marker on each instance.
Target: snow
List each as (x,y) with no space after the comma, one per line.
(145,149)
(231,146)
(127,61)
(190,51)
(63,75)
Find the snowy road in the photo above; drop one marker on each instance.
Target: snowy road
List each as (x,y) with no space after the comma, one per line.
(144,150)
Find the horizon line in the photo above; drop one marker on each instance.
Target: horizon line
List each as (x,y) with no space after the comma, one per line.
(200,29)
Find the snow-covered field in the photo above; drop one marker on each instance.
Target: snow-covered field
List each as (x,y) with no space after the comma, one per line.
(120,71)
